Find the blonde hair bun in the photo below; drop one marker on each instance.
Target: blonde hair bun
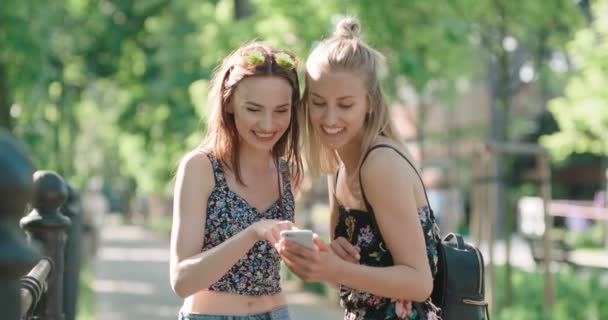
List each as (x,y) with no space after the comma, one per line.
(348,28)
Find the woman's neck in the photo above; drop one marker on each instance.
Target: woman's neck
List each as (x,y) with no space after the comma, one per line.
(255,160)
(350,154)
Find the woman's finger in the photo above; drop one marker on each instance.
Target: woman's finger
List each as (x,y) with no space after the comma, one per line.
(299,249)
(351,250)
(296,270)
(271,237)
(276,233)
(321,245)
(350,258)
(295,260)
(303,272)
(339,251)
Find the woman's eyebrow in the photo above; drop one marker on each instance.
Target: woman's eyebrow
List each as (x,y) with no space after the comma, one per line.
(254,104)
(261,106)
(339,98)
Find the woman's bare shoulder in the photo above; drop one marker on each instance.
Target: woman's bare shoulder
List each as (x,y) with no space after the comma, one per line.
(195,168)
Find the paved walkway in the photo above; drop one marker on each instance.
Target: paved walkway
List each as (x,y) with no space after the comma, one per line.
(132,281)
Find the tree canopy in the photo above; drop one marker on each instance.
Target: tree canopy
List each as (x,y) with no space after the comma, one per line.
(117,88)
(582,111)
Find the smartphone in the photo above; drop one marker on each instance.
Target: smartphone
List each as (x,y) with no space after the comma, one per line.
(302,237)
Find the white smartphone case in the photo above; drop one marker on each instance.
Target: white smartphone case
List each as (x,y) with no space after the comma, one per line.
(302,237)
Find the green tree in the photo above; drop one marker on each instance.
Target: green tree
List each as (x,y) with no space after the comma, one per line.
(119,86)
(581,112)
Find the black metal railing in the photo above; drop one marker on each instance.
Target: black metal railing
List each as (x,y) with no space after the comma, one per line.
(32,287)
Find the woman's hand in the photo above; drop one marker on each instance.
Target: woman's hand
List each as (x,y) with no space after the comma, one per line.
(310,265)
(270,229)
(345,250)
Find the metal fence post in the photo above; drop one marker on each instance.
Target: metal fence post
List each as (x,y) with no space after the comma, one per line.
(16,256)
(47,226)
(72,209)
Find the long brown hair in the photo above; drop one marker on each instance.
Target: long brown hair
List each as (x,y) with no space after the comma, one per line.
(222,138)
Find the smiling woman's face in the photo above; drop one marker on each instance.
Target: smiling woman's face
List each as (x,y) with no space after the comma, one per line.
(338,105)
(261,106)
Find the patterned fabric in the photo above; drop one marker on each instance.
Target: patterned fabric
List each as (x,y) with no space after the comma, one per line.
(360,229)
(256,273)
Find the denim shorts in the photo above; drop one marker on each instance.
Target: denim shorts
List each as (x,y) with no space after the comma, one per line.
(279,313)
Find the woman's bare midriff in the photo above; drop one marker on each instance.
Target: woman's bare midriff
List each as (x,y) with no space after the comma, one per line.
(222,303)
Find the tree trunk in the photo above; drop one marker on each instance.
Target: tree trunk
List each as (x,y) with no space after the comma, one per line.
(242,9)
(505,217)
(421,134)
(501,105)
(586,8)
(5,115)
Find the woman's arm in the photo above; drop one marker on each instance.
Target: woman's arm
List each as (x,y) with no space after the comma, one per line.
(389,187)
(190,269)
(390,183)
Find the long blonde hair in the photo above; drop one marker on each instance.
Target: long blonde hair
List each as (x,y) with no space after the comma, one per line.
(222,138)
(346,51)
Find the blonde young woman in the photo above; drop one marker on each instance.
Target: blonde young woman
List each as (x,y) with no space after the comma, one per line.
(233,194)
(383,248)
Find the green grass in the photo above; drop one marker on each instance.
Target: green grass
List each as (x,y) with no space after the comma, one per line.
(592,237)
(579,294)
(86,295)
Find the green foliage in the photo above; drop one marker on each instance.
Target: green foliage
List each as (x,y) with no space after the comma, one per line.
(422,40)
(118,88)
(580,294)
(86,294)
(592,237)
(581,112)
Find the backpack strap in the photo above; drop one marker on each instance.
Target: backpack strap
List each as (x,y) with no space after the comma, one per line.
(367,204)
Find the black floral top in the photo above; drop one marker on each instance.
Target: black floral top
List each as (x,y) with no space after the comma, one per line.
(256,273)
(360,229)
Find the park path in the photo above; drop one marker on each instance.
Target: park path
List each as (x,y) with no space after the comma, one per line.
(132,281)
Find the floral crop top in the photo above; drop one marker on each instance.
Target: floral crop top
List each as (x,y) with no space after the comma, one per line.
(256,273)
(360,229)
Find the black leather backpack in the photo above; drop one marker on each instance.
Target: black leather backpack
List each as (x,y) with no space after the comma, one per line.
(458,286)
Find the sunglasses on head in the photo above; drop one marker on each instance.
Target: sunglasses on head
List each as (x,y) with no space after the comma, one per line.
(264,61)
(259,56)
